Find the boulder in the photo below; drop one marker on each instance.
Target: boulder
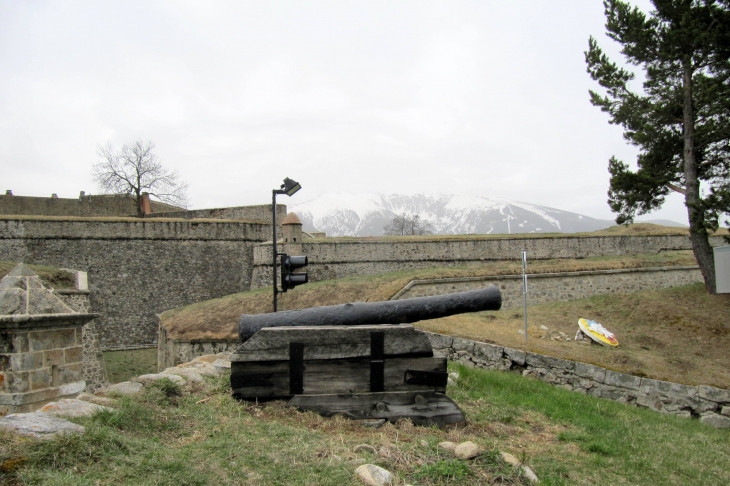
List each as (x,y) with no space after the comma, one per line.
(189,374)
(510,459)
(715,420)
(123,388)
(97,399)
(447,446)
(145,379)
(67,407)
(39,425)
(467,450)
(372,475)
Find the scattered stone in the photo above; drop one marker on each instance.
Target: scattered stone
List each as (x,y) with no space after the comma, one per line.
(715,420)
(510,459)
(189,374)
(529,474)
(446,445)
(203,369)
(544,328)
(97,399)
(450,382)
(424,443)
(145,379)
(68,407)
(222,364)
(208,358)
(364,448)
(467,450)
(39,425)
(123,388)
(454,376)
(374,425)
(373,475)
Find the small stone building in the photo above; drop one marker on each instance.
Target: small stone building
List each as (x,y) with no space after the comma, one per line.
(41,344)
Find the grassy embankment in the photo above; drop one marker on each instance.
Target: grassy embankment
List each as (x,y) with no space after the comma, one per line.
(679,334)
(161,438)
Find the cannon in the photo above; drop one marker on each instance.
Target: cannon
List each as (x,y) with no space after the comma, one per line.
(363,360)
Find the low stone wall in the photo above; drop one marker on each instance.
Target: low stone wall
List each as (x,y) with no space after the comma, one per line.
(711,405)
(554,287)
(338,258)
(93,368)
(172,352)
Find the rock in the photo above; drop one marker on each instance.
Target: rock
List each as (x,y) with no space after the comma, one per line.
(424,443)
(203,369)
(467,450)
(715,420)
(529,474)
(208,358)
(222,364)
(39,425)
(374,425)
(454,376)
(725,411)
(364,448)
(67,407)
(510,459)
(123,388)
(189,374)
(373,475)
(450,382)
(446,445)
(544,328)
(98,399)
(145,379)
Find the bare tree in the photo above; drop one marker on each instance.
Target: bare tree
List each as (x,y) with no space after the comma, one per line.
(135,170)
(403,224)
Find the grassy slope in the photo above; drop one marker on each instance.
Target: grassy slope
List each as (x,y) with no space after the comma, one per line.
(52,276)
(216,318)
(209,438)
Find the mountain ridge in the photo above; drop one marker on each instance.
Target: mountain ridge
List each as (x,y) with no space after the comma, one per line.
(345,214)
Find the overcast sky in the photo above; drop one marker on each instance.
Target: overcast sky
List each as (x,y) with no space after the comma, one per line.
(483,97)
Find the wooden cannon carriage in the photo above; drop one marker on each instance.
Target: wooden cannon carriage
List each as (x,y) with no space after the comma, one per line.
(361,360)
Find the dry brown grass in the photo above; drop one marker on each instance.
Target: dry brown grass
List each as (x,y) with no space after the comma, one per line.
(679,334)
(217,319)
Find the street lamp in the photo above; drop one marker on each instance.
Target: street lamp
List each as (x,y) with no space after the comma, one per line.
(289,187)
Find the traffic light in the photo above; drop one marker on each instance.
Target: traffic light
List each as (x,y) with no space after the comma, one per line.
(289,280)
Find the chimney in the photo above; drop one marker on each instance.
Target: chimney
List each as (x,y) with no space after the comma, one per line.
(146,207)
(8,192)
(54,195)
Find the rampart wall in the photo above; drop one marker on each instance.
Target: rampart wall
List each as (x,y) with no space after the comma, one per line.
(139,268)
(248,213)
(344,258)
(83,206)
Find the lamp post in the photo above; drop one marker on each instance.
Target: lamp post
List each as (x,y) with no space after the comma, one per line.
(289,187)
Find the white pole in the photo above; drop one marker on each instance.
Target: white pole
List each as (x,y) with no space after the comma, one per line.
(524,287)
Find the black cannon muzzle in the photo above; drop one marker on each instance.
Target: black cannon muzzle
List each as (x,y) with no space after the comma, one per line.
(404,311)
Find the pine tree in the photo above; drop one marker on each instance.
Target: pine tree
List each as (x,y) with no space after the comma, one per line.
(680,121)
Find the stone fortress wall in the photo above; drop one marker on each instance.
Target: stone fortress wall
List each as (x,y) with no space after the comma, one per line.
(139,268)
(335,258)
(86,205)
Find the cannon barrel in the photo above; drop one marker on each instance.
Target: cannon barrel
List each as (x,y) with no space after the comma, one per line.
(403,311)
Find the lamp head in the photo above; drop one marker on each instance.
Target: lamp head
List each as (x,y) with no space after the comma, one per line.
(290,187)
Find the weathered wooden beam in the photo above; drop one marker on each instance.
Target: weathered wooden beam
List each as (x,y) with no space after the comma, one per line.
(421,407)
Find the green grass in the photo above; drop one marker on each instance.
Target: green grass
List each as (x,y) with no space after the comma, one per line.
(163,437)
(123,365)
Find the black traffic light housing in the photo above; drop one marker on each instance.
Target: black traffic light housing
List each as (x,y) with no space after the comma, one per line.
(289,279)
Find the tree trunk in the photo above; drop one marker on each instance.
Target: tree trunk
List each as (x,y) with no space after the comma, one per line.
(697,232)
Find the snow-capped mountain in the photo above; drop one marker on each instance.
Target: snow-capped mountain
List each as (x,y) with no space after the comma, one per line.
(344,214)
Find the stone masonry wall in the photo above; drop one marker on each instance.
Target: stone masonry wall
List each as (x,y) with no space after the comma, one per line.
(554,287)
(85,206)
(711,405)
(260,213)
(171,352)
(139,268)
(93,367)
(345,258)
